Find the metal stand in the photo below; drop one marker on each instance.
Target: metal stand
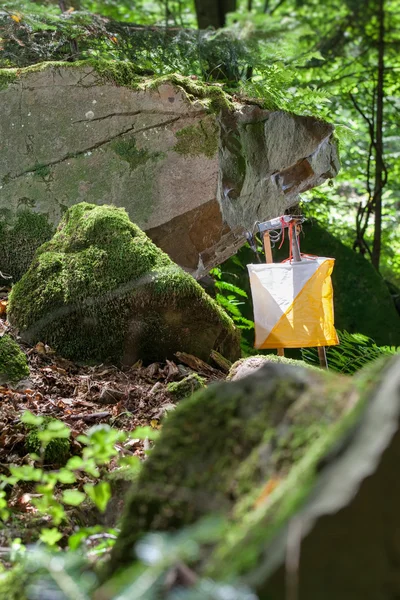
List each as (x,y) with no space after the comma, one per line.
(323,362)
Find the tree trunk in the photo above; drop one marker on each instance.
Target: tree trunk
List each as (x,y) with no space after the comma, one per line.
(211,13)
(380,171)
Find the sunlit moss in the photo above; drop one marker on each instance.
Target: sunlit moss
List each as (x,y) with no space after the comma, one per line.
(13,362)
(186,387)
(100,289)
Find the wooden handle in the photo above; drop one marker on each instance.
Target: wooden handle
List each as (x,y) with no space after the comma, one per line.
(267,248)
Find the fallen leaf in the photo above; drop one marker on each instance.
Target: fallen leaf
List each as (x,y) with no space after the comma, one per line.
(40,348)
(266,491)
(3,307)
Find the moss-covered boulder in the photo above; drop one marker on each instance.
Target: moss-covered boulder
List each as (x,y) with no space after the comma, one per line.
(13,362)
(286,454)
(100,289)
(186,387)
(246,366)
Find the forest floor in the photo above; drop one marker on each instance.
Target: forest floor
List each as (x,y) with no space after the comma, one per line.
(81,396)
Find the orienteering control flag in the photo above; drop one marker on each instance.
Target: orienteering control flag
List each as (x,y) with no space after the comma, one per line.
(293,303)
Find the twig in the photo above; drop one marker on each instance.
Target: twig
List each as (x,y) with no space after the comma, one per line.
(198,365)
(5,276)
(89,417)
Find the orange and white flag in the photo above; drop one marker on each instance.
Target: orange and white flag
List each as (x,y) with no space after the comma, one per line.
(293,303)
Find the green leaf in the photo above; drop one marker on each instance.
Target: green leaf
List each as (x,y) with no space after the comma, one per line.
(133,462)
(75,463)
(54,430)
(26,473)
(30,419)
(65,476)
(141,433)
(50,536)
(73,497)
(99,494)
(91,468)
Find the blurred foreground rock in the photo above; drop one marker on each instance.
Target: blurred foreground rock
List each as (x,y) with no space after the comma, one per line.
(303,464)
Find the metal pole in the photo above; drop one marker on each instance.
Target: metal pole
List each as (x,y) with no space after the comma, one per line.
(297,258)
(323,361)
(295,246)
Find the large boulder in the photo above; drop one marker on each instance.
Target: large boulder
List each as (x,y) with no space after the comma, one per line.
(303,464)
(192,167)
(100,289)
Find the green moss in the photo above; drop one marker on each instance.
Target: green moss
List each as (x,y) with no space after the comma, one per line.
(100,289)
(13,363)
(41,171)
(212,97)
(127,150)
(13,583)
(316,439)
(7,76)
(126,74)
(57,450)
(20,236)
(119,72)
(186,387)
(201,138)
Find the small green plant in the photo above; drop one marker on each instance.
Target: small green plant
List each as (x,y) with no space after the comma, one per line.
(231,297)
(58,490)
(49,440)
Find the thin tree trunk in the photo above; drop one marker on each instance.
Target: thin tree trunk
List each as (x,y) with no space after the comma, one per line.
(211,13)
(380,171)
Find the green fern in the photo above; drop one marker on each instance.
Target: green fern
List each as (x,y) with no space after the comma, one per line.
(354,352)
(230,302)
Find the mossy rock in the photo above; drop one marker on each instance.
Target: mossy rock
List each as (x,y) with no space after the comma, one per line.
(13,362)
(57,451)
(101,290)
(246,366)
(14,582)
(186,387)
(20,237)
(213,449)
(259,451)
